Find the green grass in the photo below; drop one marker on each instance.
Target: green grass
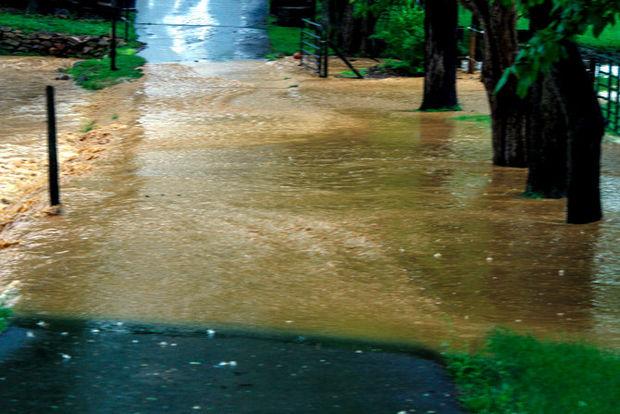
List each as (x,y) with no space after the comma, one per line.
(608,40)
(31,23)
(95,74)
(520,374)
(349,74)
(284,41)
(479,119)
(89,126)
(5,313)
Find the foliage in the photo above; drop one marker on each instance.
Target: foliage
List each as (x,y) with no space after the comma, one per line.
(30,23)
(5,313)
(284,41)
(8,298)
(608,40)
(520,374)
(571,18)
(401,26)
(95,74)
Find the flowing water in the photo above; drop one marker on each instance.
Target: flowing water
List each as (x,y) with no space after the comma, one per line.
(250,194)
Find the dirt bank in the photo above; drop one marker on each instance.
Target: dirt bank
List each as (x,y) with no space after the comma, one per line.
(89,124)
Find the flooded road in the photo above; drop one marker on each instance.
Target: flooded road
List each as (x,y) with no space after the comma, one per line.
(252,195)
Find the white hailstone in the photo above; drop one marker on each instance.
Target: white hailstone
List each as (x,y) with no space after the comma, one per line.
(95,331)
(64,333)
(163,343)
(30,334)
(288,321)
(211,333)
(233,363)
(42,324)
(65,356)
(489,259)
(134,341)
(561,272)
(437,255)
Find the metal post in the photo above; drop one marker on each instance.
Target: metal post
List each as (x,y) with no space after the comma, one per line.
(301,45)
(616,121)
(325,54)
(54,186)
(473,37)
(609,87)
(126,6)
(593,72)
(113,43)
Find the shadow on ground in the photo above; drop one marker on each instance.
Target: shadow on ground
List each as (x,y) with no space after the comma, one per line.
(98,367)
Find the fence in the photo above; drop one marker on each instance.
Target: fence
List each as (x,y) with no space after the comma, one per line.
(605,72)
(314,44)
(313,47)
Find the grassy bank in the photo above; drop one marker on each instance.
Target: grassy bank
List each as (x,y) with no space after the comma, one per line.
(95,74)
(284,41)
(5,313)
(31,23)
(519,374)
(92,73)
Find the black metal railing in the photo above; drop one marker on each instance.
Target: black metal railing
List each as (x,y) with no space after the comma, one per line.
(605,71)
(313,47)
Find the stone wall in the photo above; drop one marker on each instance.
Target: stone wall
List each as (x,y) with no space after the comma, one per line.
(53,44)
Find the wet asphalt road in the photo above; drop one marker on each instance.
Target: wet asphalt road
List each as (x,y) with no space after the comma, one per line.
(93,367)
(196,30)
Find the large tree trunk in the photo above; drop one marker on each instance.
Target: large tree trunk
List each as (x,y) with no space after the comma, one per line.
(548,132)
(508,111)
(586,127)
(547,141)
(347,31)
(440,24)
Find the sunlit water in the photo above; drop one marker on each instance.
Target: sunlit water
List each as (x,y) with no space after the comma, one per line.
(256,198)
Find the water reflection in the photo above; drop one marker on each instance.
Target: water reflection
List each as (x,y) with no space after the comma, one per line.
(188,30)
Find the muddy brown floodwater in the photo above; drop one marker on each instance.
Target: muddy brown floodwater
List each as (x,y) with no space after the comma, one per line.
(251,194)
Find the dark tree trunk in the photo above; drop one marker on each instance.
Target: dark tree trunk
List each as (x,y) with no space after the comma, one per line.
(548,132)
(440,24)
(586,127)
(547,141)
(347,31)
(33,6)
(508,111)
